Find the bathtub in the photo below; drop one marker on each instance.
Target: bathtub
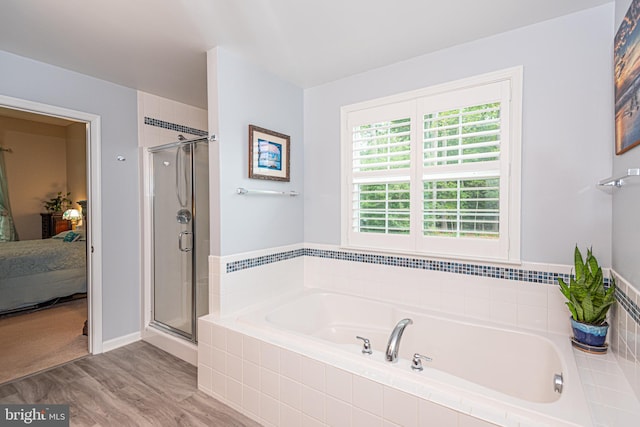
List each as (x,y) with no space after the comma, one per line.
(501,375)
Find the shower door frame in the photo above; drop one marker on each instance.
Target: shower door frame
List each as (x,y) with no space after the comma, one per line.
(150,300)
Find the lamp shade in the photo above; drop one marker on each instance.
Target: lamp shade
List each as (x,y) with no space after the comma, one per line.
(71,215)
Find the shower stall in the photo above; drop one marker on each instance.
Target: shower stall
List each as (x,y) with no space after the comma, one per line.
(179,189)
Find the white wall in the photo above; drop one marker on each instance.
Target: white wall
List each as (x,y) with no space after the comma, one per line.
(240,94)
(116,105)
(567,129)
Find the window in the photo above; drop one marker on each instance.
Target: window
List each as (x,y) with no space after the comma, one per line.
(436,171)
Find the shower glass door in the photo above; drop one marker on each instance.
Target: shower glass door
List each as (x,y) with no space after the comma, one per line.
(180,238)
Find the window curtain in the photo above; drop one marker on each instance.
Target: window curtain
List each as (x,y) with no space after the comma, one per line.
(8,231)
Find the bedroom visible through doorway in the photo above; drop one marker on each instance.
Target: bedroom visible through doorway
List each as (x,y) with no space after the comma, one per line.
(44,268)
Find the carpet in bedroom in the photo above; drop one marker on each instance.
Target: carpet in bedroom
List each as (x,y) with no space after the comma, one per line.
(42,339)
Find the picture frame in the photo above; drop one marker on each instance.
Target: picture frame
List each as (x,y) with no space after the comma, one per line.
(627,81)
(268,154)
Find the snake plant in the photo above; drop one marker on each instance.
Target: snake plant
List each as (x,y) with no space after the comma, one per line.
(587,298)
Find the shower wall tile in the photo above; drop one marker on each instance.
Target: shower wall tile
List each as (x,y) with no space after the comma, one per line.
(161,120)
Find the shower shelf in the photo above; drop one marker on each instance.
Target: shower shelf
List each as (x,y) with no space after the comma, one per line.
(243,191)
(619,181)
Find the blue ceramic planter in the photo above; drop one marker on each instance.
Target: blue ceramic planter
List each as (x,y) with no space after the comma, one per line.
(590,334)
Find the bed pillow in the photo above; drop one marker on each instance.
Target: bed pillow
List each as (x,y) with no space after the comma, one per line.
(64,234)
(71,237)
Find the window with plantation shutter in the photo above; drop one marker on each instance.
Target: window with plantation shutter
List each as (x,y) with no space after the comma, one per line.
(436,171)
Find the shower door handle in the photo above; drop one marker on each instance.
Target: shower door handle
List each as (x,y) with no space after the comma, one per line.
(180,237)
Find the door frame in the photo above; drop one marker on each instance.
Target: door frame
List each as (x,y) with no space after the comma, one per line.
(94,230)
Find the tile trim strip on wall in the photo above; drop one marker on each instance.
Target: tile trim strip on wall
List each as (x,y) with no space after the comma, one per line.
(628,304)
(262,260)
(173,126)
(531,276)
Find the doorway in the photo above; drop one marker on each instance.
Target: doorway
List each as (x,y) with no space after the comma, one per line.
(89,125)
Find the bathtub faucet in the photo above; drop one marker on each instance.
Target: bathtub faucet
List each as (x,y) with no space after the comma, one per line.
(394,340)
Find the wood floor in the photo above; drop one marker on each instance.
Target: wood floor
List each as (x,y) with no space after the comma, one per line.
(135,385)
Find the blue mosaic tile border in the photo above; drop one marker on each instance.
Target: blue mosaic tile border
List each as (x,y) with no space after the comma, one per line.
(630,306)
(172,126)
(262,260)
(399,261)
(446,266)
(531,276)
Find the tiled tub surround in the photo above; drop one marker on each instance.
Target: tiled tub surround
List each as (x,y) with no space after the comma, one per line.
(291,382)
(530,299)
(248,279)
(625,331)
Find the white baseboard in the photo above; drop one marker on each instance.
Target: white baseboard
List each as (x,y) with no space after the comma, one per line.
(114,343)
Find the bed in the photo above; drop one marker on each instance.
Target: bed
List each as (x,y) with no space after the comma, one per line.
(37,271)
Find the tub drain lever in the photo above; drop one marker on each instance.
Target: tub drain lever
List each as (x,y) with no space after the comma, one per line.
(366,345)
(416,362)
(558,383)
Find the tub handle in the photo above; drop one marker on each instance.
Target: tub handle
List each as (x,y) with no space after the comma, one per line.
(416,363)
(366,345)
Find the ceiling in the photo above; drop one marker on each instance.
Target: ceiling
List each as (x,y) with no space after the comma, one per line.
(159,46)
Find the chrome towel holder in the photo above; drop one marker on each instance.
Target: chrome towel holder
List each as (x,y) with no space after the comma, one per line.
(243,191)
(619,181)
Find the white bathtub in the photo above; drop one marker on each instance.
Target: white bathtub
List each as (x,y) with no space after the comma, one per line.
(477,367)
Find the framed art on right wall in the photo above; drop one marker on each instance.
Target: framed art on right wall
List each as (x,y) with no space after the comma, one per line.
(627,80)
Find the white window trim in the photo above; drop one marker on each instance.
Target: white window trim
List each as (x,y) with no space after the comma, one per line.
(512,222)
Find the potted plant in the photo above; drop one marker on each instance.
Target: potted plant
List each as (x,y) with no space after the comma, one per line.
(588,300)
(58,203)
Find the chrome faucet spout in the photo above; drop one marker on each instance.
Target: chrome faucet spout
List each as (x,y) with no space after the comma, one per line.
(393,346)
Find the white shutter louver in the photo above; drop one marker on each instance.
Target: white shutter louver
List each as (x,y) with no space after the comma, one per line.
(457,140)
(465,135)
(381,201)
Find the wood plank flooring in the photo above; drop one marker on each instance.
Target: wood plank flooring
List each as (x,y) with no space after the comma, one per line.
(135,385)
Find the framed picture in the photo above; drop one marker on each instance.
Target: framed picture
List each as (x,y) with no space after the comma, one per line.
(627,80)
(268,154)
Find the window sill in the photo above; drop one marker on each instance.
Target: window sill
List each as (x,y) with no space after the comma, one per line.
(430,255)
